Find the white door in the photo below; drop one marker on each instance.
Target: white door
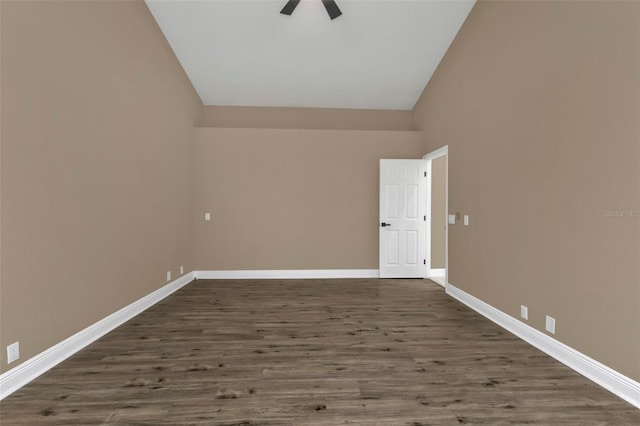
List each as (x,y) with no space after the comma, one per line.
(402,218)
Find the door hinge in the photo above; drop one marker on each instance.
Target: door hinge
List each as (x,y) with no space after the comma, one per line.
(424,262)
(425,218)
(425,174)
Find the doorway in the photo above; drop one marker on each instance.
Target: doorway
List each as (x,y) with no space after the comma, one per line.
(437,206)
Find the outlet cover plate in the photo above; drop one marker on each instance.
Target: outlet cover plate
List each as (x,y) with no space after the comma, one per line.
(524,312)
(13,352)
(550,325)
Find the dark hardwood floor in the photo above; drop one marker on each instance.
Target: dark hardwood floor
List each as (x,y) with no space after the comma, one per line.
(312,352)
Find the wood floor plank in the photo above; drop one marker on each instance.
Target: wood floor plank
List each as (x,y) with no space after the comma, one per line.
(312,352)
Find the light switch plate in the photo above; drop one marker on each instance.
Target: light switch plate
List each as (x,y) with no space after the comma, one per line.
(207,216)
(452,219)
(466,220)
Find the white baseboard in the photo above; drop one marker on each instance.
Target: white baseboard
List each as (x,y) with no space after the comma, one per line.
(438,272)
(19,376)
(438,280)
(437,275)
(288,274)
(616,383)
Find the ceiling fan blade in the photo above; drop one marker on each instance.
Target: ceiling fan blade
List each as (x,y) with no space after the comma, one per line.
(289,7)
(332,8)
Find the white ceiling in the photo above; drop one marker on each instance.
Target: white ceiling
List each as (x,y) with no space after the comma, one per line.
(377,55)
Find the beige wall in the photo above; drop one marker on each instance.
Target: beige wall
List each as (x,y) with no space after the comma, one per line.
(97,128)
(291,199)
(539,103)
(438,211)
(306,118)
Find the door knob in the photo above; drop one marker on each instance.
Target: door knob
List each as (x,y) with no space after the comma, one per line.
(385,224)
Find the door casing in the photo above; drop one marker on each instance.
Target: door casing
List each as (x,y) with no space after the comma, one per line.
(429,158)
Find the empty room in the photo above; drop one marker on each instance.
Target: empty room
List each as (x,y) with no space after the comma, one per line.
(319,212)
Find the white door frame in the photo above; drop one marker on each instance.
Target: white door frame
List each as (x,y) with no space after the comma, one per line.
(429,158)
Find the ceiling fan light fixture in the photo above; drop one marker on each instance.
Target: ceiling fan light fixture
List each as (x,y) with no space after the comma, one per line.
(330,5)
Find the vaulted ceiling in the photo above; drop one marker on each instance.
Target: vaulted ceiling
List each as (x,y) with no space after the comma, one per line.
(379,54)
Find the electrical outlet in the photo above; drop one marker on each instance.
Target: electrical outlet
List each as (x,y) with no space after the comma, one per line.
(550,325)
(207,216)
(181,270)
(168,275)
(524,312)
(13,352)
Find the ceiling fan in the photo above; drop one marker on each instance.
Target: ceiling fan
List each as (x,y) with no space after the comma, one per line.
(332,8)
